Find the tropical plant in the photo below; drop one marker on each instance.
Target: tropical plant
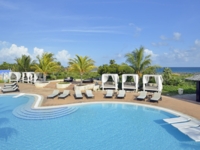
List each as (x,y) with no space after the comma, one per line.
(151,69)
(81,65)
(124,68)
(5,66)
(138,61)
(23,64)
(112,61)
(46,64)
(115,68)
(167,75)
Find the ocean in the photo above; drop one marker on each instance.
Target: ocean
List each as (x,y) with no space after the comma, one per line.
(193,70)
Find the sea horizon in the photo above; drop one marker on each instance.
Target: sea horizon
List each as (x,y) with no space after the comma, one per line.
(192,70)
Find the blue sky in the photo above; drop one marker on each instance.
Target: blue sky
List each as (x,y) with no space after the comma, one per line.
(102,29)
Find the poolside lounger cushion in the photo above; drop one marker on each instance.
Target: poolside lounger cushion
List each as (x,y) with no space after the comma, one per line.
(78,94)
(89,93)
(12,89)
(142,96)
(188,124)
(64,94)
(121,94)
(193,133)
(109,93)
(10,85)
(176,120)
(156,97)
(54,94)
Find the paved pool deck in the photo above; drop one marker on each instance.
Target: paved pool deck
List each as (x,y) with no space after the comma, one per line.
(182,103)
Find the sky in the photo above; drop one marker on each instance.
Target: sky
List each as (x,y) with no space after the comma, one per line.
(169,30)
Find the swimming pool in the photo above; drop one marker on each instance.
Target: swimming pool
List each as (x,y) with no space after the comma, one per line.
(103,126)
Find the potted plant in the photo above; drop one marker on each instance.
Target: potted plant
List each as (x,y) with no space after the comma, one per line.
(62,85)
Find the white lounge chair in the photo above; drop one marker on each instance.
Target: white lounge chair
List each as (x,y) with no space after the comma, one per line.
(78,94)
(109,93)
(10,84)
(89,94)
(142,96)
(54,94)
(64,94)
(188,124)
(193,133)
(121,94)
(156,97)
(176,120)
(11,89)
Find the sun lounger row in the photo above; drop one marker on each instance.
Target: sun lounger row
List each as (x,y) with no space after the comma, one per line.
(13,87)
(110,94)
(66,93)
(186,126)
(155,97)
(55,93)
(88,93)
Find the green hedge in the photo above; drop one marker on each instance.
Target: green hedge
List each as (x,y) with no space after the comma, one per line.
(173,90)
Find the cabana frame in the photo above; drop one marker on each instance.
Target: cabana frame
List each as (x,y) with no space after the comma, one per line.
(17,76)
(130,85)
(104,80)
(29,77)
(158,79)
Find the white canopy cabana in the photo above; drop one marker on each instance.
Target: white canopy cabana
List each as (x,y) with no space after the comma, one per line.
(33,77)
(154,87)
(29,77)
(25,77)
(39,76)
(105,84)
(130,85)
(14,76)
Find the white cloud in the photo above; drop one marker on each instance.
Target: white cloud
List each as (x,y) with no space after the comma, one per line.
(136,28)
(149,52)
(162,37)
(63,57)
(159,44)
(197,42)
(9,54)
(176,36)
(180,58)
(37,51)
(3,43)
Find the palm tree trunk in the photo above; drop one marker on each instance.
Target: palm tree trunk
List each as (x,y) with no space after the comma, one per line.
(81,79)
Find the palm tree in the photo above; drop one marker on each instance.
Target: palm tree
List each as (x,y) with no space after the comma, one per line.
(47,64)
(81,65)
(112,61)
(167,75)
(138,61)
(24,63)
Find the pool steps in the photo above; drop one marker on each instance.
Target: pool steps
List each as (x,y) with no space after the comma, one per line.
(18,95)
(26,112)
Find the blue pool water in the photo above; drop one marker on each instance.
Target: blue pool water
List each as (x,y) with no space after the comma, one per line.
(93,126)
